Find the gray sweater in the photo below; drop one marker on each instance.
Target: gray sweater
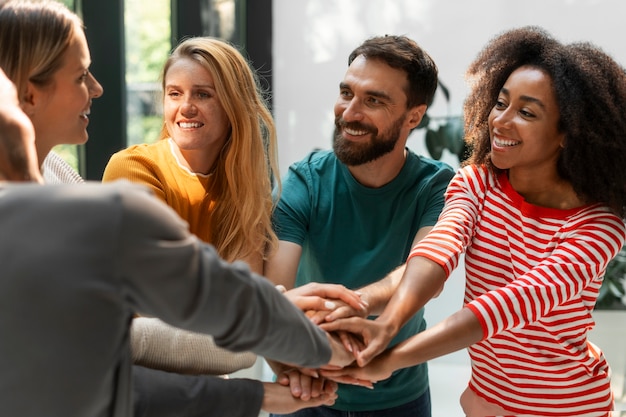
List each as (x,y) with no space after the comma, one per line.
(78,261)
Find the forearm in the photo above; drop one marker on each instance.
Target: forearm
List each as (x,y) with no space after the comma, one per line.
(158,393)
(421,281)
(459,331)
(378,294)
(157,345)
(281,266)
(270,325)
(254,317)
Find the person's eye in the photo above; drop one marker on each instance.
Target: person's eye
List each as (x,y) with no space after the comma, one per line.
(345,94)
(525,113)
(373,101)
(500,104)
(173,94)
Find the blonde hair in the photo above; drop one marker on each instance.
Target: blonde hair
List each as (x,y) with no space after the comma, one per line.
(33,37)
(242,179)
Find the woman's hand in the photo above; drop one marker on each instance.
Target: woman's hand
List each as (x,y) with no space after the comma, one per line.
(374,371)
(374,334)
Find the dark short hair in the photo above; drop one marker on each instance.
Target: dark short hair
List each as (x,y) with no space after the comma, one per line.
(404,54)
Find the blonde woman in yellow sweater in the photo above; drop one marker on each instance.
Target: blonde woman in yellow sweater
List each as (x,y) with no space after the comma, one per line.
(217,154)
(214,165)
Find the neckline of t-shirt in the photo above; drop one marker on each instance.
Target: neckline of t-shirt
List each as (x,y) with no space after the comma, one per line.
(180,165)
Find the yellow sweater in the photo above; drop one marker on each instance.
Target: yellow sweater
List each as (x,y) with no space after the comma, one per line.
(156,166)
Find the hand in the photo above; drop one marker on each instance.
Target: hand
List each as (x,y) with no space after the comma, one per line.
(340,310)
(351,343)
(376,370)
(304,385)
(324,297)
(283,368)
(340,355)
(375,335)
(277,398)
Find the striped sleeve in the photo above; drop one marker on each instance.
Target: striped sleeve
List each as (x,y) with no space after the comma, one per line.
(582,249)
(450,236)
(520,265)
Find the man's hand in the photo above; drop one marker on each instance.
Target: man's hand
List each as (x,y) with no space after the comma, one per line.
(277,398)
(316,296)
(305,386)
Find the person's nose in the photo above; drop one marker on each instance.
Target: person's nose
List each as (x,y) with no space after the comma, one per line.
(188,108)
(502,118)
(95,89)
(352,110)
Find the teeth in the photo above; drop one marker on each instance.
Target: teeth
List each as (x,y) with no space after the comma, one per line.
(355,132)
(502,142)
(185,125)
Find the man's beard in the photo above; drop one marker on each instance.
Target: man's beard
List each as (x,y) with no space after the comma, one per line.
(354,154)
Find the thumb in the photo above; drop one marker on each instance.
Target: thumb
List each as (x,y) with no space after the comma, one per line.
(365,356)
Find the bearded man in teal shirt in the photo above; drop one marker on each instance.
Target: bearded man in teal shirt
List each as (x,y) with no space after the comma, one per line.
(350,216)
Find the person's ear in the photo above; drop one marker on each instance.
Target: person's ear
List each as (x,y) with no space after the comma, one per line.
(29,99)
(415,115)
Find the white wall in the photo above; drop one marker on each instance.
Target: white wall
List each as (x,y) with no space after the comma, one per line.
(313,38)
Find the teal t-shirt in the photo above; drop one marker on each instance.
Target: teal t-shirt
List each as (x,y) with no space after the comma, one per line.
(355,235)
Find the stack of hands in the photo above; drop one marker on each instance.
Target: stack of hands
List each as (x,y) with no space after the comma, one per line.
(357,343)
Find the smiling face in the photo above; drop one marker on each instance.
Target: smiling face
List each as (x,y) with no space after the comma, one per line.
(194,115)
(59,111)
(523,124)
(371,118)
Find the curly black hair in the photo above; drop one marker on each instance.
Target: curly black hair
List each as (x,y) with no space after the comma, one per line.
(590,89)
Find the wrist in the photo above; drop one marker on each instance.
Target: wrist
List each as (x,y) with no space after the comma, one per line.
(389,326)
(276,367)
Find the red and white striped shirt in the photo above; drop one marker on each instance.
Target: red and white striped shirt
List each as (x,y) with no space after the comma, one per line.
(532,279)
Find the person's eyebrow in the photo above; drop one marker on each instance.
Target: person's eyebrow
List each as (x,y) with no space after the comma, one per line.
(528,99)
(373,93)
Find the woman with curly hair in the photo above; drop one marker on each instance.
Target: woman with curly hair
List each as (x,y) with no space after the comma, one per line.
(538,210)
(216,158)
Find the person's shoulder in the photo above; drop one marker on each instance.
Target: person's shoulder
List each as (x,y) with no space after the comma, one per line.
(56,170)
(143,150)
(95,190)
(87,193)
(316,157)
(121,190)
(137,158)
(422,168)
(315,160)
(428,162)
